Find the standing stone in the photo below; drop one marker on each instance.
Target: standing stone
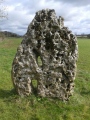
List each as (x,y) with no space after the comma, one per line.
(47,54)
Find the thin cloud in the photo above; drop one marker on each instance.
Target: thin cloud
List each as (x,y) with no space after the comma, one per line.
(20,13)
(75,2)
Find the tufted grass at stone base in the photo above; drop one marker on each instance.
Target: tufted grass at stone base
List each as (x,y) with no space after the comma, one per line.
(13,107)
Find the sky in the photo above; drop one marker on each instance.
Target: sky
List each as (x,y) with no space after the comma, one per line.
(76,14)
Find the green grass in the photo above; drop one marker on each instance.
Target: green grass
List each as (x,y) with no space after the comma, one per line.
(13,107)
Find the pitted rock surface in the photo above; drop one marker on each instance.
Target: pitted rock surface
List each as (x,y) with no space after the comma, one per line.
(47,54)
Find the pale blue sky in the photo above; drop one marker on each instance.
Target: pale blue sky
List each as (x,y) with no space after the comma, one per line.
(21,12)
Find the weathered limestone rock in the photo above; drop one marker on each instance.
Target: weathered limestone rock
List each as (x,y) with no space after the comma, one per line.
(49,42)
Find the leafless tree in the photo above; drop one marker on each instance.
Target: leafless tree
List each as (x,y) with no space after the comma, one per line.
(2,10)
(3,14)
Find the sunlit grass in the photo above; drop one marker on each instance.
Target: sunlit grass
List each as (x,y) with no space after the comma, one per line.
(13,107)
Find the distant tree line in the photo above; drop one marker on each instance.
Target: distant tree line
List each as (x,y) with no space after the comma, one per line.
(9,34)
(88,36)
(83,36)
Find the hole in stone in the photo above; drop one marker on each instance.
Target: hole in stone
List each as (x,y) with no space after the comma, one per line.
(39,44)
(19,78)
(51,57)
(62,81)
(39,61)
(46,86)
(68,86)
(57,58)
(57,79)
(36,52)
(58,54)
(50,85)
(49,44)
(34,85)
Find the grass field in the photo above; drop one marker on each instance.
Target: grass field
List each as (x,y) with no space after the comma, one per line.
(13,107)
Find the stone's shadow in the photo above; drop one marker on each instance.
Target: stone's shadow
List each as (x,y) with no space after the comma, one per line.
(7,93)
(85,92)
(13,93)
